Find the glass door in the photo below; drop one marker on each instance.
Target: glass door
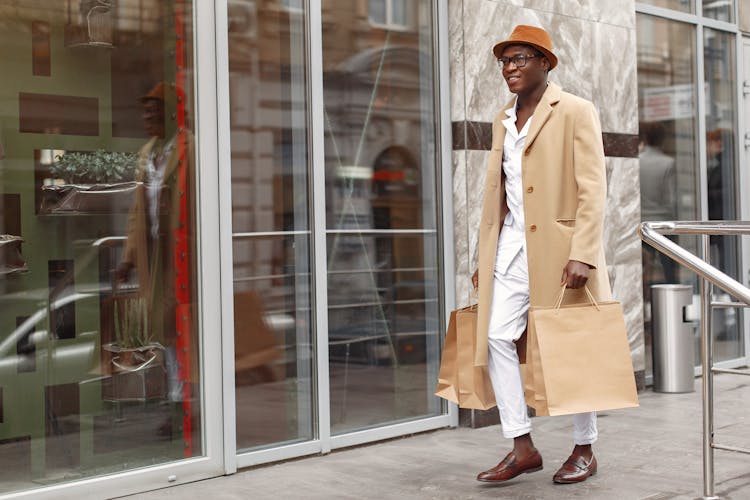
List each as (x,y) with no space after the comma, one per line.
(381,180)
(271,225)
(721,178)
(336,277)
(676,182)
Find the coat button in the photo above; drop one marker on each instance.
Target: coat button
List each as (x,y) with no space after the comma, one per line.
(532,228)
(530,189)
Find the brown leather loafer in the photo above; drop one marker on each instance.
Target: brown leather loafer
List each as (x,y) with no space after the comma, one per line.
(575,469)
(511,467)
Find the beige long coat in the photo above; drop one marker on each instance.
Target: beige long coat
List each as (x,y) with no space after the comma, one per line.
(156,272)
(564,193)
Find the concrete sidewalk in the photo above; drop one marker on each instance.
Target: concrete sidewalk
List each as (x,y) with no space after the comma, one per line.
(652,452)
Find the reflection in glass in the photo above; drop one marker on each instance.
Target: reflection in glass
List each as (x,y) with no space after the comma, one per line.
(722,10)
(273,347)
(381,179)
(270,203)
(721,88)
(667,143)
(99,358)
(680,5)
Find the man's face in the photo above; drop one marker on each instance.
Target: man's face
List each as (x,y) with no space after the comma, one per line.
(153,117)
(524,79)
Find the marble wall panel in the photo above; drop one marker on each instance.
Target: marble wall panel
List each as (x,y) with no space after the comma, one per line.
(469,169)
(456,51)
(584,48)
(615,91)
(461,230)
(476,168)
(615,12)
(623,248)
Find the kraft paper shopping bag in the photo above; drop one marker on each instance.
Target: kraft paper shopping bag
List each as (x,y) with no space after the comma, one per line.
(459,380)
(583,357)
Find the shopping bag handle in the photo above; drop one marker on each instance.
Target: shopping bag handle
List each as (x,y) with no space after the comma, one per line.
(559,300)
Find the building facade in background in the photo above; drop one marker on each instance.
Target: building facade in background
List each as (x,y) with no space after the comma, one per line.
(299,183)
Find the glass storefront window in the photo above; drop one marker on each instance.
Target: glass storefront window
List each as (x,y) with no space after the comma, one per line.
(679,5)
(668,156)
(274,345)
(99,356)
(667,142)
(721,117)
(381,177)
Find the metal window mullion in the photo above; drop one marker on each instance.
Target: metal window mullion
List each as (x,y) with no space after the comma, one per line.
(701,122)
(364,231)
(739,151)
(743,155)
(674,15)
(318,221)
(445,175)
(226,260)
(268,234)
(719,25)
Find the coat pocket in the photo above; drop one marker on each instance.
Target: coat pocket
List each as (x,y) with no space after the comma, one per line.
(566,222)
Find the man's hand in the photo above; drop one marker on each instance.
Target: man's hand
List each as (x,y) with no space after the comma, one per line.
(122,273)
(575,274)
(475,279)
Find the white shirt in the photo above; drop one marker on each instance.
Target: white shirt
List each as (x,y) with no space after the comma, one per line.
(512,236)
(157,163)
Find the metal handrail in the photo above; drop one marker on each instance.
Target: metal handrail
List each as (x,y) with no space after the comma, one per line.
(653,234)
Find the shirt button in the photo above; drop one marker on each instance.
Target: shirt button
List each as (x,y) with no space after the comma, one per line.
(530,189)
(532,228)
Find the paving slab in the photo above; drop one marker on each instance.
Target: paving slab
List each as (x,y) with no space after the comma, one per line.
(652,452)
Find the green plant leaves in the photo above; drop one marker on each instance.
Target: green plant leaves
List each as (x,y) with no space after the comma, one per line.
(98,167)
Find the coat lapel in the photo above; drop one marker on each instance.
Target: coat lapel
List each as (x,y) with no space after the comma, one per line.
(542,112)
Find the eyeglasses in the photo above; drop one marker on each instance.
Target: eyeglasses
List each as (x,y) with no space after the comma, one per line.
(519,60)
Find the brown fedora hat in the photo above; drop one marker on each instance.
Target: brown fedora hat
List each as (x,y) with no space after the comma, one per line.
(529,35)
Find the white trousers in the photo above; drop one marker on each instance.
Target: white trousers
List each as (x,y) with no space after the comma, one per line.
(510,306)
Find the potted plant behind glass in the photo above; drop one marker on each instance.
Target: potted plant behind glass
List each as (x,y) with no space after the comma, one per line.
(97,182)
(136,362)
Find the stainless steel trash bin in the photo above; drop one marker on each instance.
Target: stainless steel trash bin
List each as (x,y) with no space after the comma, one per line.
(672,343)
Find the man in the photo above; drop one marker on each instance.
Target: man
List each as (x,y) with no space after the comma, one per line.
(152,222)
(542,222)
(658,193)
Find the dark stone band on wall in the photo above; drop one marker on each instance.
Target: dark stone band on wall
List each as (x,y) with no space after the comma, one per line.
(477,136)
(620,145)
